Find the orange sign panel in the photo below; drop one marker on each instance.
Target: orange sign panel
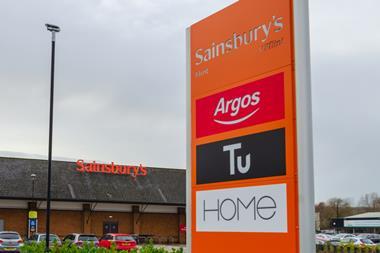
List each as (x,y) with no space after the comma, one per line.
(243,180)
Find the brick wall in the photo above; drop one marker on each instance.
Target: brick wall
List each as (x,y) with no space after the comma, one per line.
(15,220)
(61,222)
(182,235)
(164,227)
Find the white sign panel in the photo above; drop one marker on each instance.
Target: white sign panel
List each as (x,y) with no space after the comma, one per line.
(246,209)
(362,223)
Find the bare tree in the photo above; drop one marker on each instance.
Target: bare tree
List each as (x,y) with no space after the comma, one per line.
(333,208)
(370,201)
(341,206)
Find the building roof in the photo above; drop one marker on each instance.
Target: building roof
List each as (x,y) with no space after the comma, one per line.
(365,215)
(160,186)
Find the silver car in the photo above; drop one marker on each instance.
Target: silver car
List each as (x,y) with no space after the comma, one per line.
(10,241)
(80,239)
(41,238)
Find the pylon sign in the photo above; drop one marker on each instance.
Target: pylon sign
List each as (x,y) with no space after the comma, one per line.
(250,180)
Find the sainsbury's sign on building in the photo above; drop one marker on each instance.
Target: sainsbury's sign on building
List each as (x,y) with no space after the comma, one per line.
(111,168)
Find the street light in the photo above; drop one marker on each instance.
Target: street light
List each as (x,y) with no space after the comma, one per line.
(53,29)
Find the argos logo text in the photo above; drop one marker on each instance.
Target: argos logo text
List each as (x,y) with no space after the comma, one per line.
(253,103)
(232,107)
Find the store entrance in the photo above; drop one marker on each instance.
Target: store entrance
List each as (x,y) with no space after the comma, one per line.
(110,227)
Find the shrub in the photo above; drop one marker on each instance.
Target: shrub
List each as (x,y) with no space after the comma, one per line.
(90,248)
(350,248)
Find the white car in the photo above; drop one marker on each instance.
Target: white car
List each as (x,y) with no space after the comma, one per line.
(321,239)
(10,241)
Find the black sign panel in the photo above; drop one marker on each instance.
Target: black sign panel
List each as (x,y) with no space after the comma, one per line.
(252,156)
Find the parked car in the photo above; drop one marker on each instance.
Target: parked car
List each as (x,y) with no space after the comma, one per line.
(357,241)
(40,237)
(343,236)
(321,239)
(121,241)
(80,239)
(335,241)
(10,241)
(136,237)
(375,238)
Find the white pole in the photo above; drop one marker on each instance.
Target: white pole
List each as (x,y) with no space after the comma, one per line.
(304,126)
(188,142)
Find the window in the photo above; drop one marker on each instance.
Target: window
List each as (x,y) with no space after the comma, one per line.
(69,238)
(52,238)
(87,238)
(366,241)
(9,236)
(124,238)
(106,237)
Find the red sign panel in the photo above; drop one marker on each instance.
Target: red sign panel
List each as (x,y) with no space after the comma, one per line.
(250,104)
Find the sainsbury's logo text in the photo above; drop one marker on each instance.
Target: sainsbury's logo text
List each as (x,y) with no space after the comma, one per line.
(111,168)
(257,34)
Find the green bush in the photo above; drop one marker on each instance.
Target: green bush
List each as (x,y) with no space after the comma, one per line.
(90,248)
(350,248)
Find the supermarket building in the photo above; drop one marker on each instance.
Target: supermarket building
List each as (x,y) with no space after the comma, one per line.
(94,198)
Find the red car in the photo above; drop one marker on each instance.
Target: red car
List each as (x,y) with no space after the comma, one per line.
(121,241)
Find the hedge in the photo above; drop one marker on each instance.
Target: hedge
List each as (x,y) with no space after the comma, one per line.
(350,248)
(89,248)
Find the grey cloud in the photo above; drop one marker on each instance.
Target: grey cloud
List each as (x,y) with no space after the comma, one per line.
(120,83)
(345,53)
(120,78)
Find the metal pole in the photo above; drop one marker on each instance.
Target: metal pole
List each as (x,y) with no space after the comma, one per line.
(32,189)
(33,177)
(304,126)
(337,209)
(188,143)
(47,249)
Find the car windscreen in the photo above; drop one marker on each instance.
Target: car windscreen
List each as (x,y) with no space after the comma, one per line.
(88,238)
(9,236)
(366,241)
(52,238)
(124,238)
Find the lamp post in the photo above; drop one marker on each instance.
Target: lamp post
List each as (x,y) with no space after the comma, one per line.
(33,177)
(53,29)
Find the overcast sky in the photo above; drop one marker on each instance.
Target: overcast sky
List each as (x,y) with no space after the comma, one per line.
(120,84)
